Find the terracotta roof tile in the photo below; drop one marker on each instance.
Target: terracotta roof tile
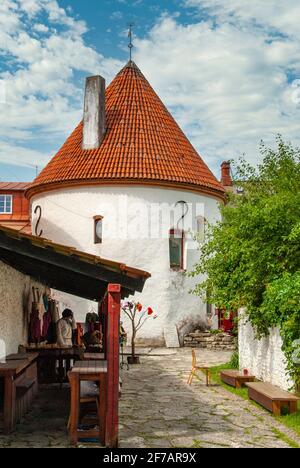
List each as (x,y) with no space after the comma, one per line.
(16,186)
(142,143)
(20,226)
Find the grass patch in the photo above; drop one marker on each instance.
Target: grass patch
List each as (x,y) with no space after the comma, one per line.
(215,376)
(197,444)
(285,438)
(291,421)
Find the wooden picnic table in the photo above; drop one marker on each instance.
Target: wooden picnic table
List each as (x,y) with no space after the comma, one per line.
(17,375)
(92,371)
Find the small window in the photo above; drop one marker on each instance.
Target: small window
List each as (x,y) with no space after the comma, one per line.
(98,229)
(5,204)
(176,243)
(201,228)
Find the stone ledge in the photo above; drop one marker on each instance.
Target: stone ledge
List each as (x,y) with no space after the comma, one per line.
(207,340)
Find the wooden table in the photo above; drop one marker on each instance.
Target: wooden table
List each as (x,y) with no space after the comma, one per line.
(13,372)
(235,378)
(93,356)
(48,358)
(93,371)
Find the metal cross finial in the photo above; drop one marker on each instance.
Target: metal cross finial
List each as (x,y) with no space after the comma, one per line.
(130,35)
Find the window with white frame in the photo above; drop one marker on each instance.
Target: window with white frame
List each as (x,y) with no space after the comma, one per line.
(5,204)
(176,248)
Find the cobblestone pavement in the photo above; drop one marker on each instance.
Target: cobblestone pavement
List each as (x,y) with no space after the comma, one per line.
(159,410)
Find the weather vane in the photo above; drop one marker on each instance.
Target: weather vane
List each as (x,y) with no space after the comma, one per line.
(130,35)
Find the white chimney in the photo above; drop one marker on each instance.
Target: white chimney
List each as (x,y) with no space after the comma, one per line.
(94,113)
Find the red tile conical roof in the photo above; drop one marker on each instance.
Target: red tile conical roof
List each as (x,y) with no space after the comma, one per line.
(142,145)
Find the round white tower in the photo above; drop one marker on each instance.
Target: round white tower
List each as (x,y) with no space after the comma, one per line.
(128,185)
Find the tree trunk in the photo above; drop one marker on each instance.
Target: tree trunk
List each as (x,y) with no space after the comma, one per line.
(133,340)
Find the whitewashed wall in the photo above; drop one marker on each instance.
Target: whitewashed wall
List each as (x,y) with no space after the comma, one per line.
(264,358)
(68,219)
(14,287)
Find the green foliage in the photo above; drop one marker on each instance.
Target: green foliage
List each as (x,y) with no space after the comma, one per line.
(216,332)
(251,258)
(234,362)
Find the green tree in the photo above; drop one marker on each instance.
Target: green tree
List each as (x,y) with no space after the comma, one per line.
(251,258)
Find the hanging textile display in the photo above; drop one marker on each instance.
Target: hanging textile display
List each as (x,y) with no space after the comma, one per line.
(35,325)
(43,316)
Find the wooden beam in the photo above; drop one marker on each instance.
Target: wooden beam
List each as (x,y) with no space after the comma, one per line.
(113,327)
(69,262)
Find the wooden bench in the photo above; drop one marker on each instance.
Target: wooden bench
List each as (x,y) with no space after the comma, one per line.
(88,371)
(272,398)
(235,378)
(18,387)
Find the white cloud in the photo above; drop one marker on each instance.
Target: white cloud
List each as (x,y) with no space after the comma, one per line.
(280,15)
(41,28)
(226,79)
(31,7)
(225,76)
(116,15)
(21,156)
(43,102)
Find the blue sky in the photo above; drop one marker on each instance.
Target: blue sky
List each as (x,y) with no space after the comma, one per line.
(229,74)
(108,19)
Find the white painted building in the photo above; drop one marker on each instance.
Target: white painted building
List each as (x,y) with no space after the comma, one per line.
(124,196)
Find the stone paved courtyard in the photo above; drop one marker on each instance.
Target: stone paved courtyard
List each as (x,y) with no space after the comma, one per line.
(159,410)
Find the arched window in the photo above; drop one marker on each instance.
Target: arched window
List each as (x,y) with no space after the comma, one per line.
(98,229)
(176,247)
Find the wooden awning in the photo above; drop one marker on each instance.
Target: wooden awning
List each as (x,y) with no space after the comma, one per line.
(67,269)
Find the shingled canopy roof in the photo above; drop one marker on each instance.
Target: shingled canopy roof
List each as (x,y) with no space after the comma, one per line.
(67,269)
(143,145)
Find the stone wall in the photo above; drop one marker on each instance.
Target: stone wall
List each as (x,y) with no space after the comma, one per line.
(209,340)
(264,358)
(14,287)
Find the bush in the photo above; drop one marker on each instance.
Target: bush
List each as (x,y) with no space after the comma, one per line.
(234,362)
(251,259)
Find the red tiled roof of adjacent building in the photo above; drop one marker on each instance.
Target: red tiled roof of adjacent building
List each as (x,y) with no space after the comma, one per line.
(19,218)
(24,227)
(14,186)
(142,145)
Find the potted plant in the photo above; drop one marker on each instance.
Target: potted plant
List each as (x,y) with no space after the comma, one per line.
(138,316)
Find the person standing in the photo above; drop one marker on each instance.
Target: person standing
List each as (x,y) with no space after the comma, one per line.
(65,329)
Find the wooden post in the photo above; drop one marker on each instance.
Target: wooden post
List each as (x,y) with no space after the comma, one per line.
(293,407)
(9,404)
(113,328)
(276,408)
(74,412)
(104,313)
